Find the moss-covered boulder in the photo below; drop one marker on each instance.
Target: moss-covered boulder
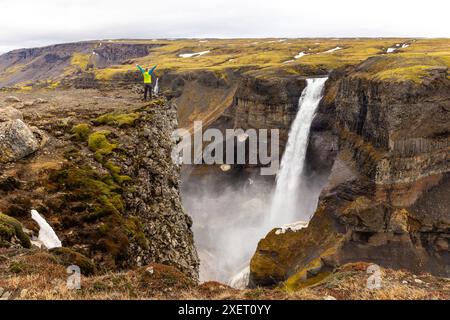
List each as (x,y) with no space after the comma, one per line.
(295,255)
(66,256)
(81,131)
(11,232)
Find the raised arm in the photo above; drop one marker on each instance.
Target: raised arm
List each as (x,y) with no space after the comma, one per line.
(140,68)
(152,69)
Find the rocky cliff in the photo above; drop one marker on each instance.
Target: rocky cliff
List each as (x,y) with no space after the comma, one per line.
(98,168)
(387,195)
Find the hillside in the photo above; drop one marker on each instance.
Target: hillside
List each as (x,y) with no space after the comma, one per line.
(112,59)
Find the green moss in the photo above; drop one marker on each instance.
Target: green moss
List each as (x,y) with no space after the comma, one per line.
(81,131)
(98,143)
(10,227)
(115,173)
(301,278)
(86,184)
(135,231)
(66,256)
(81,60)
(121,119)
(105,207)
(71,153)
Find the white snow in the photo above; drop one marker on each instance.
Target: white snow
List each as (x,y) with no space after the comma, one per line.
(398,46)
(300,54)
(333,50)
(292,227)
(240,280)
(195,54)
(47,235)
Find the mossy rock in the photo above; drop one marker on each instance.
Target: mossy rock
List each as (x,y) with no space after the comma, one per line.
(98,142)
(9,228)
(135,231)
(115,173)
(120,119)
(279,256)
(66,256)
(81,132)
(110,235)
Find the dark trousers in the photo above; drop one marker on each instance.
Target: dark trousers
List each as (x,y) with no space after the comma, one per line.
(147,90)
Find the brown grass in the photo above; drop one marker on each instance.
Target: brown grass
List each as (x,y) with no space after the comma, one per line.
(37,275)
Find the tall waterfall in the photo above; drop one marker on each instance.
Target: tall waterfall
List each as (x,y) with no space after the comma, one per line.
(156,87)
(290,201)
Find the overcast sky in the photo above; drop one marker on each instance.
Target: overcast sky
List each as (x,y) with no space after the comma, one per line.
(29,23)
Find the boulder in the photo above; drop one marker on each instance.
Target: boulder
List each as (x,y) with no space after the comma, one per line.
(40,101)
(16,140)
(11,232)
(10,113)
(12,99)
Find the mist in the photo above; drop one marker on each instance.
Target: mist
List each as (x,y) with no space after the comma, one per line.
(231,214)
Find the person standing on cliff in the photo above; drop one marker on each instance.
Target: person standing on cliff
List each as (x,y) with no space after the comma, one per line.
(147,80)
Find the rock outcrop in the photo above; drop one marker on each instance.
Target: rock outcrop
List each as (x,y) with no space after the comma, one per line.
(16,140)
(387,197)
(104,181)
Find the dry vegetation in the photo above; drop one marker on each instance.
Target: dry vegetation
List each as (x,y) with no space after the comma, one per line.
(40,275)
(271,58)
(266,57)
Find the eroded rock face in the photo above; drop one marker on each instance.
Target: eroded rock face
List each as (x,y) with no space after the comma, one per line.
(10,113)
(266,104)
(156,199)
(386,200)
(16,140)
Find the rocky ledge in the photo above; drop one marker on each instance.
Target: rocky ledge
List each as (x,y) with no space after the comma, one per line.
(101,174)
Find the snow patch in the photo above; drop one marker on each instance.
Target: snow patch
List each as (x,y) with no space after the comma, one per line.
(195,54)
(390,50)
(300,54)
(333,50)
(47,235)
(292,227)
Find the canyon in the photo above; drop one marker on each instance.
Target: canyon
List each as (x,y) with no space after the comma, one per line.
(377,158)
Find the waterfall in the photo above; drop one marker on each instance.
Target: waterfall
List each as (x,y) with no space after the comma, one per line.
(47,235)
(291,197)
(156,87)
